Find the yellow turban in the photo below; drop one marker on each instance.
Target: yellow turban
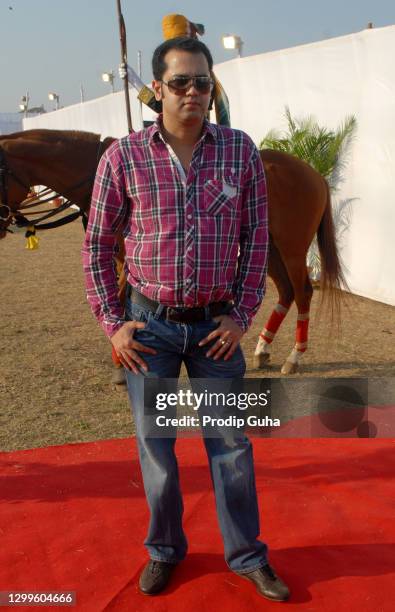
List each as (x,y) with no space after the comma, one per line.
(175,25)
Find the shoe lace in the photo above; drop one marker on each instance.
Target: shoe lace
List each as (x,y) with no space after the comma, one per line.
(155,566)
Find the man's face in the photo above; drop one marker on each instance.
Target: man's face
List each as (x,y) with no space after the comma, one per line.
(189,106)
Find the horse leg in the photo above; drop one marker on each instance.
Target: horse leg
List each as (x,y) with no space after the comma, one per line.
(279,275)
(118,374)
(303,290)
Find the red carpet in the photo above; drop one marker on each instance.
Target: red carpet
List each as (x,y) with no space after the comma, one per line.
(74,517)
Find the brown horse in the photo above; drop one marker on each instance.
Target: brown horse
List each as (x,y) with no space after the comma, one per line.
(299,207)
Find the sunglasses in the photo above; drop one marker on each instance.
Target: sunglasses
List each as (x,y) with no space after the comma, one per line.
(180,84)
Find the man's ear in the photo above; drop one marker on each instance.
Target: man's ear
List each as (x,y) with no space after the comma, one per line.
(157,87)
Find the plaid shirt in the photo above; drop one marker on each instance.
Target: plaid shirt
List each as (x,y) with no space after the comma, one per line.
(189,240)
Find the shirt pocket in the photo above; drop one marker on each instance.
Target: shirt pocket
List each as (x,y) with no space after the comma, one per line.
(220,196)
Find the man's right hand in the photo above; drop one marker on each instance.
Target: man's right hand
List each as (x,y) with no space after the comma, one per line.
(126,347)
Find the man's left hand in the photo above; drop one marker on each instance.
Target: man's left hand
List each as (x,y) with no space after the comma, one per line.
(229,335)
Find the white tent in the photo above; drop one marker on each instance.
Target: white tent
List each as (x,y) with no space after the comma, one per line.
(105,116)
(350,75)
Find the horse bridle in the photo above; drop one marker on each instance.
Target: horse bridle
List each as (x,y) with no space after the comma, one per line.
(5,210)
(7,216)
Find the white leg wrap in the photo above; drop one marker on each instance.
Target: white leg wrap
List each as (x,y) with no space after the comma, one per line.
(295,356)
(262,347)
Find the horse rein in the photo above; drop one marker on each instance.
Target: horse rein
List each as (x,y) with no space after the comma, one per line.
(8,217)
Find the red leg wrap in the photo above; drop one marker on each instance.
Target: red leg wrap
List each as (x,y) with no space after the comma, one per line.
(274,322)
(302,330)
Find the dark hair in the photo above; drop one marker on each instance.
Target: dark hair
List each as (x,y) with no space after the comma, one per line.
(183,43)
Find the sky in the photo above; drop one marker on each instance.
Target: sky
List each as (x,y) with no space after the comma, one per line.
(57,45)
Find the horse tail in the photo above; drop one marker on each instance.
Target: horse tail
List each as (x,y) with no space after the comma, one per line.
(332,277)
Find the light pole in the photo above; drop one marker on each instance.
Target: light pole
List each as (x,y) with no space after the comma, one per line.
(24,103)
(108,77)
(54,97)
(232,41)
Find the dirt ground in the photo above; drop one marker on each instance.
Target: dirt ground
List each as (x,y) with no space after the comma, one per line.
(56,365)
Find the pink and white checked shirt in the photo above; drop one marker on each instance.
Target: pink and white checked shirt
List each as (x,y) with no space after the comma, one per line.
(182,234)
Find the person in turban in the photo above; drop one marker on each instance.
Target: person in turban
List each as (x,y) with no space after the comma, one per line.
(174,26)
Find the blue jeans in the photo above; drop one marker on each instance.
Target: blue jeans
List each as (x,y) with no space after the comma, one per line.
(230,458)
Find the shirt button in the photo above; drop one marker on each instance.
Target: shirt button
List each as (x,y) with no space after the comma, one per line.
(188,281)
(189,248)
(189,217)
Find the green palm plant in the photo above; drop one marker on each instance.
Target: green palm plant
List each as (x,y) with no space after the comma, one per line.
(326,151)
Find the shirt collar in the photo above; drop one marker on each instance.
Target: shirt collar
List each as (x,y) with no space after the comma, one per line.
(156,135)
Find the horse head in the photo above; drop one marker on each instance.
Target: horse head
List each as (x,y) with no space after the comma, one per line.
(63,160)
(14,184)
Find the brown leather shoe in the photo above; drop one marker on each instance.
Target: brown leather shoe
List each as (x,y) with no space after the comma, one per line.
(155,576)
(268,583)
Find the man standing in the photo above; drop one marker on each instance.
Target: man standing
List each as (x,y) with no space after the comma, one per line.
(190,199)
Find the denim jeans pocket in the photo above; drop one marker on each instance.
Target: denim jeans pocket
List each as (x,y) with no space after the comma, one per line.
(204,328)
(135,312)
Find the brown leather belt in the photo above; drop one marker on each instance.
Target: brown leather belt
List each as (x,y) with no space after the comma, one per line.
(181,315)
